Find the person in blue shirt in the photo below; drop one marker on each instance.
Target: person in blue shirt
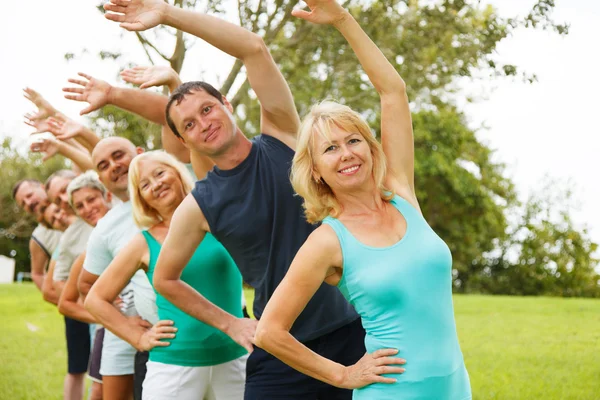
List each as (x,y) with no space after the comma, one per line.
(247,203)
(374,245)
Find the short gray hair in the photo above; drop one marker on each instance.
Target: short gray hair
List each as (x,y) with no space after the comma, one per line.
(88,179)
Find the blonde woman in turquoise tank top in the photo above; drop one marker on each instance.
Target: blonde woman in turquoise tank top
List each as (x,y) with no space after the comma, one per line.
(374,244)
(189,359)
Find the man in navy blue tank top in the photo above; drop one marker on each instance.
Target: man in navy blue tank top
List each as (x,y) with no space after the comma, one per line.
(247,203)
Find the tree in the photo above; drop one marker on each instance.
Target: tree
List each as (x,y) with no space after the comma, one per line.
(544,252)
(463,193)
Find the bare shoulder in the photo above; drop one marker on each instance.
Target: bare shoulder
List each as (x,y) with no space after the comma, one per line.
(324,244)
(189,216)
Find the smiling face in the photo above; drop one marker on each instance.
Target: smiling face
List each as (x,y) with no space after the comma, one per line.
(30,196)
(112,157)
(57,193)
(54,217)
(344,160)
(159,186)
(205,125)
(90,205)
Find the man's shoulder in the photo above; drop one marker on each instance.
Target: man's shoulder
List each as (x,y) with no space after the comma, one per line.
(115,216)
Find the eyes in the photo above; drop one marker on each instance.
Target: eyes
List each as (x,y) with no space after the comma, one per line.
(204,111)
(334,147)
(145,184)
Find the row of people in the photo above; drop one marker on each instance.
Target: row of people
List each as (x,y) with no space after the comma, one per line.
(352,287)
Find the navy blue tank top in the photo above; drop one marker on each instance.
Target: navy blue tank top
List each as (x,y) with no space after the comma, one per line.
(253,211)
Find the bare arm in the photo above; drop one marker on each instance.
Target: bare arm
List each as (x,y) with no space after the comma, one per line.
(159,75)
(180,244)
(48,291)
(279,117)
(52,146)
(99,301)
(85,282)
(67,129)
(69,303)
(315,260)
(151,106)
(396,123)
(39,260)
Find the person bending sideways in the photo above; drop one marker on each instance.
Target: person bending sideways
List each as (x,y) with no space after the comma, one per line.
(198,360)
(373,244)
(247,203)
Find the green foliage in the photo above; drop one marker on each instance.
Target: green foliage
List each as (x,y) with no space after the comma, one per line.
(113,121)
(15,225)
(544,253)
(464,194)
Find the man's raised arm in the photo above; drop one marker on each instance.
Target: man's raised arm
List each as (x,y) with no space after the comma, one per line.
(279,117)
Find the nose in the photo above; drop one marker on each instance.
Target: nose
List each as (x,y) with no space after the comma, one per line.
(346,153)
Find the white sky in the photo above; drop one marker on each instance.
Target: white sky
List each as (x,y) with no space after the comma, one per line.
(546,128)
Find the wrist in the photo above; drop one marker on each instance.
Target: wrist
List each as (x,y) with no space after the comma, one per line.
(111,94)
(166,14)
(338,376)
(174,83)
(227,325)
(344,18)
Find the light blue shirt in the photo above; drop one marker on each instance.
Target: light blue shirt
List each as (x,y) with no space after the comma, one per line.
(112,233)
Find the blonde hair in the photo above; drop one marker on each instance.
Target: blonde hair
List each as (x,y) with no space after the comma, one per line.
(145,216)
(319,199)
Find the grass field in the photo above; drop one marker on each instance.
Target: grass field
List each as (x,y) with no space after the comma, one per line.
(514,347)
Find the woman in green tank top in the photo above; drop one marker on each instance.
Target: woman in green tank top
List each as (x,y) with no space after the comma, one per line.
(188,358)
(374,244)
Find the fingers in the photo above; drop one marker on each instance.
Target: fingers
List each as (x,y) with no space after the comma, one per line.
(87,110)
(86,76)
(384,353)
(164,322)
(73,97)
(78,81)
(389,360)
(135,26)
(73,90)
(115,17)
(122,3)
(114,8)
(301,14)
(150,83)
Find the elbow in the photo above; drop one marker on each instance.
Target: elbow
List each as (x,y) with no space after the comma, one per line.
(263,336)
(395,88)
(90,302)
(257,47)
(62,307)
(47,296)
(158,283)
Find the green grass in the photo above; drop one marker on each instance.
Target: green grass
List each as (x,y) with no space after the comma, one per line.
(515,347)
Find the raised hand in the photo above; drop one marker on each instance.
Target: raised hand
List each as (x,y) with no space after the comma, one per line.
(48,146)
(45,109)
(40,125)
(64,128)
(370,368)
(155,75)
(93,91)
(242,331)
(135,15)
(322,12)
(152,337)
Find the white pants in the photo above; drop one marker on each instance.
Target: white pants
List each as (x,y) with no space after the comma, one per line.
(219,382)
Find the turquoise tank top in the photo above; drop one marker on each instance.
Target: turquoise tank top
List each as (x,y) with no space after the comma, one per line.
(403,294)
(212,272)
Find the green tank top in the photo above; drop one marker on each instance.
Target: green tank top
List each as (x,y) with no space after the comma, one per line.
(403,294)
(212,272)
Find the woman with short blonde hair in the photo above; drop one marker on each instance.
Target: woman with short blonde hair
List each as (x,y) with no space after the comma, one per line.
(187,357)
(373,244)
